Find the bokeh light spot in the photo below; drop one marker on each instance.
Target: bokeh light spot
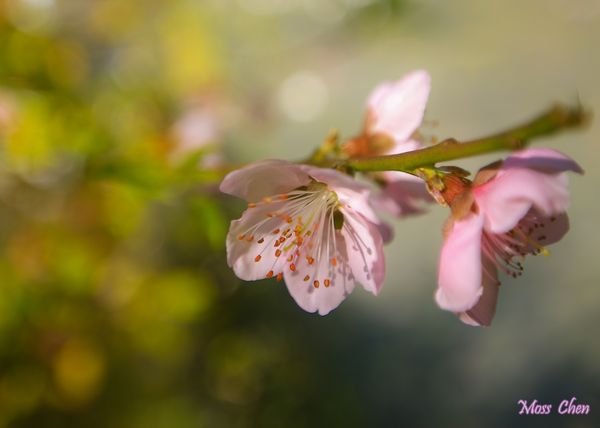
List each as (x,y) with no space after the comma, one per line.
(303,96)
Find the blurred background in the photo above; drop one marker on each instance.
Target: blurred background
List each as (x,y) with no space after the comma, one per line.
(117,308)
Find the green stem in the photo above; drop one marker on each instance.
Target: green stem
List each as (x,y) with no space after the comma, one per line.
(555,119)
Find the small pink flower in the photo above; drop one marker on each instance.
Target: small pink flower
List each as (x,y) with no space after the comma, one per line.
(516,211)
(199,128)
(310,226)
(395,109)
(394,112)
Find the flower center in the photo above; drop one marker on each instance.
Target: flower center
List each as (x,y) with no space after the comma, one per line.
(508,250)
(295,225)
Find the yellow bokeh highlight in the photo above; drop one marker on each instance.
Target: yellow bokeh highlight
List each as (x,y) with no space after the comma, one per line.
(79,369)
(190,50)
(29,145)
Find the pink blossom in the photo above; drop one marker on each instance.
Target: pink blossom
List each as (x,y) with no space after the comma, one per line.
(198,129)
(395,109)
(394,112)
(312,227)
(195,129)
(514,211)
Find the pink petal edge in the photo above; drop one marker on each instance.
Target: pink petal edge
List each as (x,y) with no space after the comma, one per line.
(459,278)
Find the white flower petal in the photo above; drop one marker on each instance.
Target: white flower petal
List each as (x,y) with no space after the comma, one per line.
(266,178)
(252,249)
(321,281)
(364,250)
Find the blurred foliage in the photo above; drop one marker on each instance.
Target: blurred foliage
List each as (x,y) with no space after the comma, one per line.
(105,291)
(112,275)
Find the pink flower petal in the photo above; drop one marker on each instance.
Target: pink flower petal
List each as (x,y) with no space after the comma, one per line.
(554,229)
(396,108)
(403,147)
(336,180)
(360,203)
(251,259)
(353,194)
(547,230)
(295,234)
(542,159)
(406,195)
(266,178)
(460,274)
(386,231)
(364,250)
(509,196)
(321,285)
(485,308)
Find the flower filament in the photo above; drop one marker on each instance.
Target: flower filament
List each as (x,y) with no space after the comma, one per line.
(297,230)
(503,249)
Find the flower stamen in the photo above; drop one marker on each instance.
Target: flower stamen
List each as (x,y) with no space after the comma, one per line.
(311,211)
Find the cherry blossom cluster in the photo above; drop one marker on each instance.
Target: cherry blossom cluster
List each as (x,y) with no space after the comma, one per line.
(317,228)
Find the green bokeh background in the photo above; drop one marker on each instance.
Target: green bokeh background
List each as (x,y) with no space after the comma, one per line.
(117,308)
